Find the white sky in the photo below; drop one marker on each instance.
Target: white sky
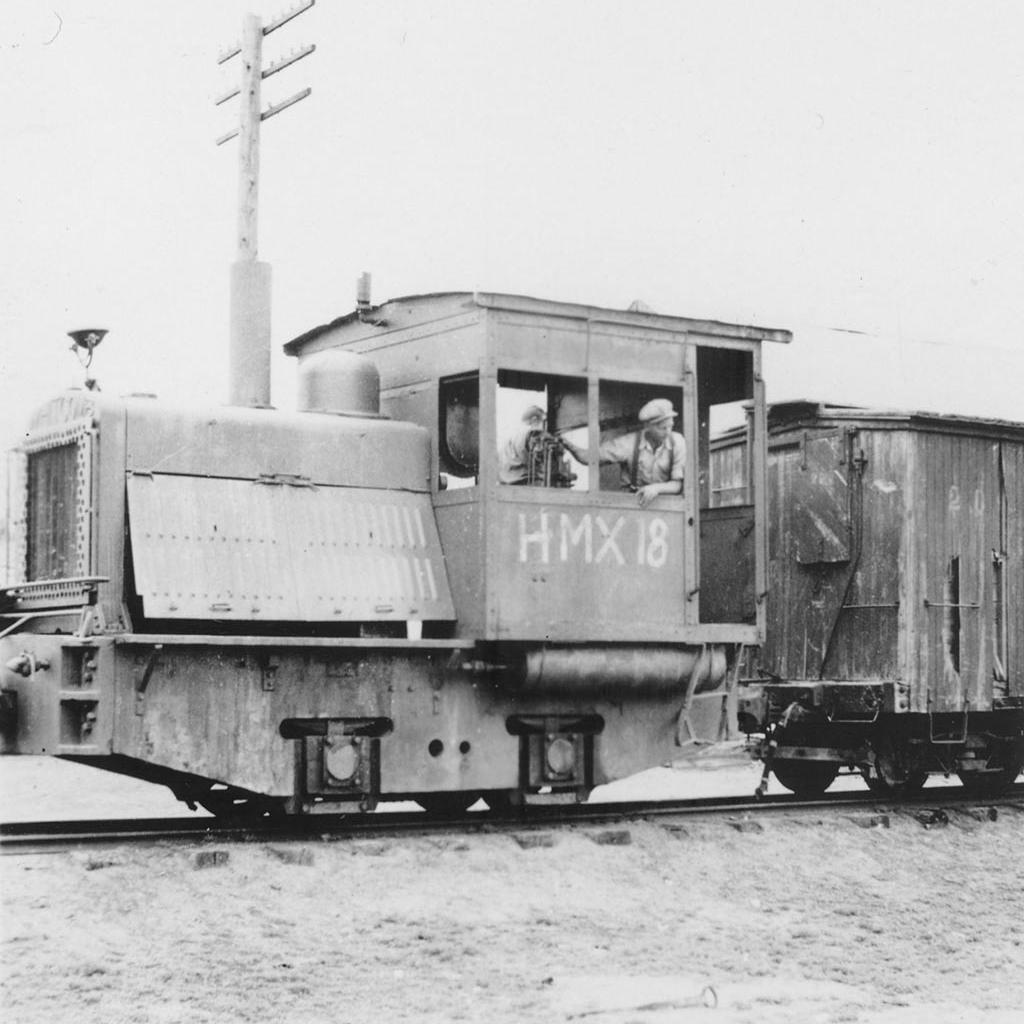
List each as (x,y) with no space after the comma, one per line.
(810,165)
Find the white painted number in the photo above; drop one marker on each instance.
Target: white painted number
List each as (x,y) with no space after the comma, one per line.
(657,549)
(592,539)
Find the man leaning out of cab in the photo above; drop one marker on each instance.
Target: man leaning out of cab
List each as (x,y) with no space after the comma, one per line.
(650,459)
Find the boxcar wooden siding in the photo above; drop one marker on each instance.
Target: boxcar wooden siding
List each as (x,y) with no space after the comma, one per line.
(931,591)
(957,515)
(837,616)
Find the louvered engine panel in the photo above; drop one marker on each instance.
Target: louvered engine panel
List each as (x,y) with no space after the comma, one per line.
(209,548)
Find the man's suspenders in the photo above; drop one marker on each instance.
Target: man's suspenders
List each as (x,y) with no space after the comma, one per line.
(635,462)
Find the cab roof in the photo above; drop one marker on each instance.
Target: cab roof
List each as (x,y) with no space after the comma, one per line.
(409,309)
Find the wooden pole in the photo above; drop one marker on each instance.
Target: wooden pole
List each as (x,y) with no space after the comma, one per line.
(249,137)
(250,279)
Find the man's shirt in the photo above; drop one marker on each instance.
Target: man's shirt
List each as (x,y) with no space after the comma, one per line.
(512,457)
(653,465)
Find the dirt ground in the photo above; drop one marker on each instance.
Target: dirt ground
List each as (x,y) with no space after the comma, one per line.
(826,922)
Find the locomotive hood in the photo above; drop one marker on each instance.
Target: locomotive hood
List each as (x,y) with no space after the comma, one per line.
(244,443)
(238,513)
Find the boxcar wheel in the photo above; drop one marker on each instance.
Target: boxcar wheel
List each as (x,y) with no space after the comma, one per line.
(447,804)
(905,787)
(897,772)
(989,783)
(805,778)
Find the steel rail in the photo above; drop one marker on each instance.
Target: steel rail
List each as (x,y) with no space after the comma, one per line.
(59,836)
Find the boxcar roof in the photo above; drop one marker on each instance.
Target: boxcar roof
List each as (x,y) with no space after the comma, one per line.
(789,415)
(451,303)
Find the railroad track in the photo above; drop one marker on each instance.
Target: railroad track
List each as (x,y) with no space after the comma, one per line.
(931,806)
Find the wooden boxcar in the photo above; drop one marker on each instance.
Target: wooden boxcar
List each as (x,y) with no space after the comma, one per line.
(895,639)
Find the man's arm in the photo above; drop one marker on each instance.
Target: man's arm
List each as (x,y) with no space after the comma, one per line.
(647,493)
(674,485)
(616,450)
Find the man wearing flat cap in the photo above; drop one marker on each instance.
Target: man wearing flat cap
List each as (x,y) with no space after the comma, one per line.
(650,459)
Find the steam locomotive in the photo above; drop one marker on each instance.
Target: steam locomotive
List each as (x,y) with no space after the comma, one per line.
(320,610)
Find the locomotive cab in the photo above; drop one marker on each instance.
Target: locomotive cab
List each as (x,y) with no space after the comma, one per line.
(572,557)
(579,600)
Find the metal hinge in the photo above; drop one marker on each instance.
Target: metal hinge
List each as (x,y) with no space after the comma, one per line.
(284,479)
(142,683)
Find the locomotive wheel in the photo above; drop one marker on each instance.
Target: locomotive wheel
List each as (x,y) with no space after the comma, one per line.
(227,809)
(502,801)
(447,804)
(228,803)
(989,783)
(898,772)
(805,778)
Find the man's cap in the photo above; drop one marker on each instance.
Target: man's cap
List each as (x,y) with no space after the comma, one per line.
(656,409)
(534,412)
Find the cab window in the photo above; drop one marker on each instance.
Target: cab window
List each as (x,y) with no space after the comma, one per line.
(537,414)
(619,405)
(459,430)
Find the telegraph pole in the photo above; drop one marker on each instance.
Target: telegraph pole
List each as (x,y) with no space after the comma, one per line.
(250,277)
